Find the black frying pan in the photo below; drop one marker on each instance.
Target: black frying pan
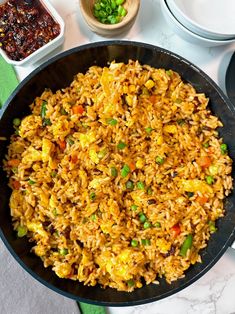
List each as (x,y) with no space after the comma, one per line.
(58,73)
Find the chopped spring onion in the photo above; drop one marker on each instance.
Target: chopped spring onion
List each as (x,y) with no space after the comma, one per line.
(125,170)
(157,225)
(148,130)
(140,185)
(145,241)
(209,180)
(92,196)
(134,207)
(224,148)
(159,160)
(212,226)
(129,185)
(112,121)
(21,231)
(113,171)
(187,244)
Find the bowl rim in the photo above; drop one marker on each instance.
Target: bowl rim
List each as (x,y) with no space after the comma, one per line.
(202,31)
(228,241)
(189,32)
(91,19)
(42,51)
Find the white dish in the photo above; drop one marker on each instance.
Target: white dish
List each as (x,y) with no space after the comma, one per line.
(186,34)
(44,50)
(213,19)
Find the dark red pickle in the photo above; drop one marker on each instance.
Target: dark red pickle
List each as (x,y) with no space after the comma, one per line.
(25,26)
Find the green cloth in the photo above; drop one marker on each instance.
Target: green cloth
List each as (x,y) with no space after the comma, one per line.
(91,309)
(8,80)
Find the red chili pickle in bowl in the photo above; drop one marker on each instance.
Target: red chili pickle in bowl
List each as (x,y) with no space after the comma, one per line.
(25,26)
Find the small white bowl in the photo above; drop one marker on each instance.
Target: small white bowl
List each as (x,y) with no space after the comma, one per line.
(44,50)
(186,34)
(211,19)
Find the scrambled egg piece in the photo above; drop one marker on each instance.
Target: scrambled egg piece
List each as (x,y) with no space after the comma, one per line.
(196,185)
(47,148)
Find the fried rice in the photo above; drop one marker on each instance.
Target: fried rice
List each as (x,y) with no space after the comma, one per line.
(119,179)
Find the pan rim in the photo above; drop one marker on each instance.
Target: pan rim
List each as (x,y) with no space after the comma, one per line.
(227,243)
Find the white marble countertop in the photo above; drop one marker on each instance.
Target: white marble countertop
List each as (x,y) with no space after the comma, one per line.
(214,292)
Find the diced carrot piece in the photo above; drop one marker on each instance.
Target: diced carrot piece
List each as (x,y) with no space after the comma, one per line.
(78,109)
(152,99)
(62,144)
(132,166)
(16,185)
(202,200)
(13,162)
(74,158)
(176,229)
(204,161)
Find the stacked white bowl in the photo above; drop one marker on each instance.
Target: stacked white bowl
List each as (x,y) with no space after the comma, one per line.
(203,22)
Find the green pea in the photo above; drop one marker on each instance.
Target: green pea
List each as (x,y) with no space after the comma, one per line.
(147,225)
(54,212)
(16,122)
(134,243)
(129,185)
(206,145)
(31,182)
(148,130)
(93,217)
(130,283)
(142,218)
(157,225)
(121,145)
(63,251)
(187,244)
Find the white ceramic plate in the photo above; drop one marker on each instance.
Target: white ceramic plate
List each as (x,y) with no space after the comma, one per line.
(214,19)
(186,34)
